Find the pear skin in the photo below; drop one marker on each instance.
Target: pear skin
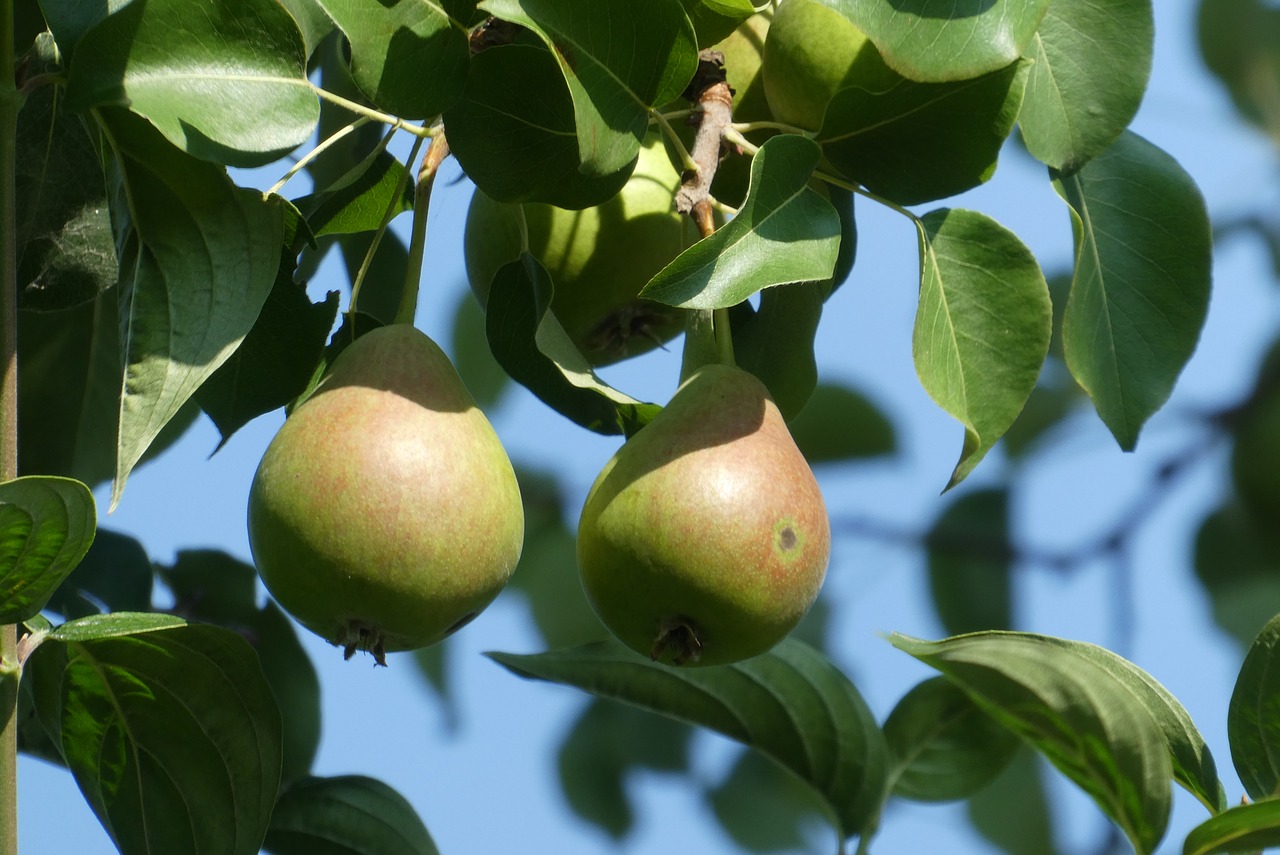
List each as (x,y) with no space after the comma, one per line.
(705,539)
(385,513)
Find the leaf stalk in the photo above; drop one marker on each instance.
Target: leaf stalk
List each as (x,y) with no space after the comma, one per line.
(436,153)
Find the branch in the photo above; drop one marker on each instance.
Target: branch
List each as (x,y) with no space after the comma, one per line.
(715,113)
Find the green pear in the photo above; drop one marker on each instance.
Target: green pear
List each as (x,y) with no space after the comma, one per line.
(705,539)
(599,258)
(385,513)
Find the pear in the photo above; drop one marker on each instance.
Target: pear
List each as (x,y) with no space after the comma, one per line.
(385,513)
(705,539)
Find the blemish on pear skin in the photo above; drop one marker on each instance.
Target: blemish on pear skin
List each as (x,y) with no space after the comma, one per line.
(787,540)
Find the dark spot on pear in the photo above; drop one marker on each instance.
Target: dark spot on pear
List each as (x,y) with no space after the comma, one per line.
(787,539)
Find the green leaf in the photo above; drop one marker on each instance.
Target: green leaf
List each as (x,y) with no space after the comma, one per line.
(1245,829)
(196,254)
(784,232)
(1240,571)
(170,730)
(407,56)
(619,61)
(1142,274)
(791,704)
(763,808)
(480,372)
(115,575)
(346,815)
(940,40)
(775,342)
(942,745)
(1102,721)
(1240,43)
(361,199)
(1013,811)
(68,20)
(971,563)
(716,19)
(534,349)
(1091,67)
(982,328)
(214,587)
(916,142)
(839,424)
(228,85)
(275,362)
(312,21)
(514,133)
(1253,718)
(594,763)
(385,278)
(46,527)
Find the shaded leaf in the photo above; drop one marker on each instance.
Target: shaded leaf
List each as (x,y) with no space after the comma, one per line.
(982,328)
(775,342)
(514,133)
(1253,718)
(534,349)
(1091,67)
(1013,811)
(228,85)
(1240,43)
(714,20)
(312,21)
(1142,274)
(839,424)
(1240,571)
(407,56)
(115,575)
(170,730)
(346,815)
(198,257)
(940,40)
(916,142)
(46,527)
(1245,828)
(791,704)
(971,563)
(942,745)
(469,348)
(762,807)
(618,61)
(784,232)
(385,279)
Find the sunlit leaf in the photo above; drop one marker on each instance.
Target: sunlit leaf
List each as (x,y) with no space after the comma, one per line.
(1247,828)
(1253,719)
(46,527)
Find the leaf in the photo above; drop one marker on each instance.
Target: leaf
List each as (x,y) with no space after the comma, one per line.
(1239,571)
(618,61)
(982,328)
(1245,828)
(228,85)
(916,142)
(1253,717)
(594,763)
(346,815)
(775,342)
(1092,62)
(46,527)
(170,730)
(762,808)
(312,21)
(716,19)
(480,372)
(1240,43)
(514,133)
(360,199)
(942,746)
(534,349)
(408,56)
(198,257)
(1013,811)
(940,40)
(839,424)
(1142,274)
(791,704)
(784,232)
(970,563)
(115,575)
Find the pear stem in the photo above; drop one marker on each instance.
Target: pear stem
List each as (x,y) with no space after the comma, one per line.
(724,337)
(436,153)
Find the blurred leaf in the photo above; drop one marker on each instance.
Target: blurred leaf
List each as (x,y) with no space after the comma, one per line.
(594,763)
(228,86)
(274,363)
(346,815)
(385,278)
(982,328)
(514,133)
(1253,718)
(839,424)
(784,232)
(619,61)
(407,56)
(942,746)
(971,563)
(1013,811)
(115,575)
(170,730)
(762,807)
(534,349)
(1245,828)
(1052,400)
(1142,274)
(916,142)
(196,253)
(930,41)
(214,587)
(1240,572)
(46,527)
(480,372)
(360,199)
(434,665)
(791,704)
(775,342)
(1240,43)
(1091,68)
